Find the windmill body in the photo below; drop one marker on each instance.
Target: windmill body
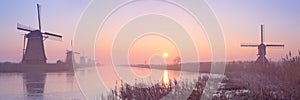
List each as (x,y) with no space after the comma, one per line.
(262,48)
(70,58)
(262,54)
(34,53)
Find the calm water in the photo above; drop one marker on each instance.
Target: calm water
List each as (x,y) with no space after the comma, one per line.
(49,86)
(69,86)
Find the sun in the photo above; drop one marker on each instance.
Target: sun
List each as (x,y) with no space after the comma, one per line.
(165,55)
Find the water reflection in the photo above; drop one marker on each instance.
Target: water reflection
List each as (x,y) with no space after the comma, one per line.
(70,78)
(64,86)
(34,85)
(40,85)
(166,79)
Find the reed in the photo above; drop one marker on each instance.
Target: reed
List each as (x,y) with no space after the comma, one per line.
(244,80)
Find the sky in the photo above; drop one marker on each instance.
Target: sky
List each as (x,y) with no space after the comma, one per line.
(239,19)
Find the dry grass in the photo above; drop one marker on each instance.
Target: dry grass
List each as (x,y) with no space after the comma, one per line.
(244,80)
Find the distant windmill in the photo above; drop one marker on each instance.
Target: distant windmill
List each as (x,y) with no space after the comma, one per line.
(34,52)
(262,48)
(70,56)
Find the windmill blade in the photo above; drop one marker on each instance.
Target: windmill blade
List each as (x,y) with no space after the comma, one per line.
(39,17)
(275,45)
(76,52)
(24,44)
(249,45)
(262,33)
(24,28)
(52,36)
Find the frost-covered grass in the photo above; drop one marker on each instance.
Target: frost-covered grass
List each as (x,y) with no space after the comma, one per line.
(244,80)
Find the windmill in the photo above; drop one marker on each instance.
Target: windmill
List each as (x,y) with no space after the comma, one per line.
(70,56)
(34,53)
(262,47)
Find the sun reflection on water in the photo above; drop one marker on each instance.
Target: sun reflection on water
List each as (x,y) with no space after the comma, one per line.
(166,80)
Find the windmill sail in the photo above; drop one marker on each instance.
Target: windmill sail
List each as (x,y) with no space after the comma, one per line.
(262,33)
(52,36)
(24,28)
(275,45)
(249,45)
(39,17)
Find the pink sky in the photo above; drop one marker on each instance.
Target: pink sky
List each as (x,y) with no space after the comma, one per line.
(239,20)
